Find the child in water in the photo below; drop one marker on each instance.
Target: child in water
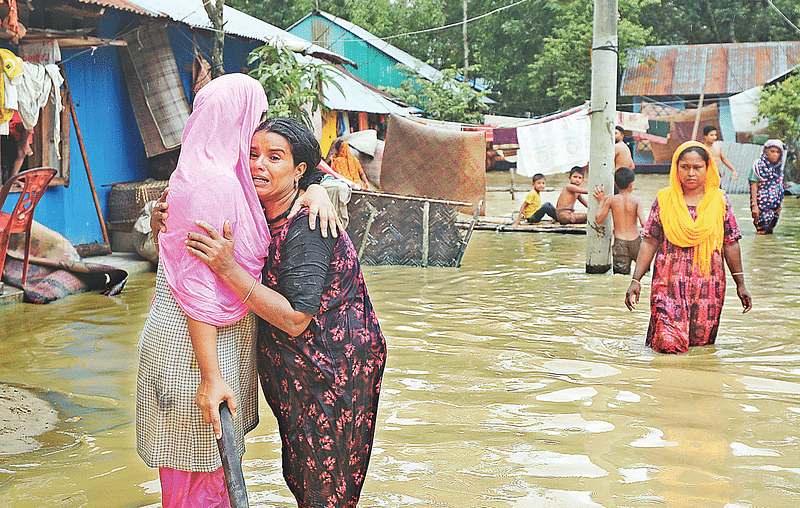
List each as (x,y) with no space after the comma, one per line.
(626,209)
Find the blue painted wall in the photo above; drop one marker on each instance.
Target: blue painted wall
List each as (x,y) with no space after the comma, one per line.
(110,134)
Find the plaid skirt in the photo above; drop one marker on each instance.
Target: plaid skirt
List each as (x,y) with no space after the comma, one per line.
(170,431)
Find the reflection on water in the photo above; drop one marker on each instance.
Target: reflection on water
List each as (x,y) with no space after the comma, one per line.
(515,381)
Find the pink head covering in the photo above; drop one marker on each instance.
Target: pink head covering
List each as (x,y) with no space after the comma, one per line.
(212,183)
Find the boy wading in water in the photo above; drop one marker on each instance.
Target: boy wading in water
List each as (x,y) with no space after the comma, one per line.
(565,206)
(626,209)
(532,210)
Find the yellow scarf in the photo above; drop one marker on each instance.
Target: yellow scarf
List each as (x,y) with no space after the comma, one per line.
(706,232)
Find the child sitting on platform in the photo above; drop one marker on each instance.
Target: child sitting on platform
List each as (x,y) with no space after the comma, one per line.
(532,210)
(565,206)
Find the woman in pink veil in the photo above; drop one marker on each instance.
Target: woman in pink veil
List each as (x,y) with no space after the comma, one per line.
(197,346)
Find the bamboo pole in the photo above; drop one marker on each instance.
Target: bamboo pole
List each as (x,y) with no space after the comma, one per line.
(426,231)
(702,96)
(74,116)
(372,212)
(466,238)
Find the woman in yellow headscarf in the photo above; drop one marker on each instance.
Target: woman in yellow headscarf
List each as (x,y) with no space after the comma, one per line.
(691,230)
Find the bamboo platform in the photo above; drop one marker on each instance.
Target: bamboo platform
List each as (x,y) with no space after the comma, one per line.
(392,229)
(503,224)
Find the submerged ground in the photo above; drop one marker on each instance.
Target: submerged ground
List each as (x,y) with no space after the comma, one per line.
(515,381)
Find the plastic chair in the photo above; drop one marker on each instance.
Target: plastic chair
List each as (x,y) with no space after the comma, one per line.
(34,182)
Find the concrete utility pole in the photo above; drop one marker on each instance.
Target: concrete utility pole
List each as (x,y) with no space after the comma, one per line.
(603,121)
(466,44)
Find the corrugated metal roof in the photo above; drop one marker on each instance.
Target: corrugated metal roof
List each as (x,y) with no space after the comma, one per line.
(425,70)
(122,5)
(357,97)
(726,68)
(192,13)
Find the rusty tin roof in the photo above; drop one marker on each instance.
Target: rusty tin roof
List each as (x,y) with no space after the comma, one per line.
(122,5)
(726,68)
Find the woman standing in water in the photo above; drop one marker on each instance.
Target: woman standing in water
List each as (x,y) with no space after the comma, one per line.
(690,231)
(766,187)
(197,347)
(321,352)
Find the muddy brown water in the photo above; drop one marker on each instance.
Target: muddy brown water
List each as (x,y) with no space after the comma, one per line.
(515,381)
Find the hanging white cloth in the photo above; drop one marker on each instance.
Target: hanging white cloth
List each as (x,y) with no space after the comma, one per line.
(40,83)
(554,146)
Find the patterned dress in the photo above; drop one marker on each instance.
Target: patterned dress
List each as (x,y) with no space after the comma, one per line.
(769,193)
(685,305)
(323,385)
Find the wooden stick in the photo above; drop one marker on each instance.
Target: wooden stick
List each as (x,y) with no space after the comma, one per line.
(372,212)
(411,198)
(465,241)
(85,158)
(426,231)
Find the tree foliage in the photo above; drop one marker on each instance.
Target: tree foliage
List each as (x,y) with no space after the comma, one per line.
(537,54)
(293,86)
(780,105)
(444,98)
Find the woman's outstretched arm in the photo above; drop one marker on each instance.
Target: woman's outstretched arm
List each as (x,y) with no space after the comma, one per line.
(216,251)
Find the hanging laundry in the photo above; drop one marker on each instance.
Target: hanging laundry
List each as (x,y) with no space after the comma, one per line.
(554,146)
(12,69)
(40,84)
(636,122)
(12,20)
(40,52)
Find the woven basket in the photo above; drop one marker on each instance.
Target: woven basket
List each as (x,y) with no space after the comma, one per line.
(127,199)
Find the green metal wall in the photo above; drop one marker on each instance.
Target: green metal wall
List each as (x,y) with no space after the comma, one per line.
(374,67)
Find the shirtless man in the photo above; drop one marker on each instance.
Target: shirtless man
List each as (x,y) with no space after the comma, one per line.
(710,135)
(622,154)
(565,206)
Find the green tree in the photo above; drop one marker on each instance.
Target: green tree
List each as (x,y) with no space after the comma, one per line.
(561,75)
(780,105)
(444,98)
(280,13)
(720,21)
(294,88)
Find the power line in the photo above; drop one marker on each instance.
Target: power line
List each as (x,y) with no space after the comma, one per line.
(451,25)
(783,15)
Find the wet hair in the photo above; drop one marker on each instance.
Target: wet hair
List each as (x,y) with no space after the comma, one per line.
(696,149)
(708,129)
(623,177)
(302,143)
(620,129)
(576,169)
(537,176)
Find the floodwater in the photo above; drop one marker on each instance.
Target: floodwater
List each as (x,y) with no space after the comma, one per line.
(515,381)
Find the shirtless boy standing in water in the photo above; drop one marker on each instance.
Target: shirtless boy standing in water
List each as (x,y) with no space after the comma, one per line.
(565,206)
(628,214)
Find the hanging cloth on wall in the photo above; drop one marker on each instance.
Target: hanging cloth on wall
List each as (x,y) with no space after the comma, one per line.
(155,87)
(40,84)
(12,70)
